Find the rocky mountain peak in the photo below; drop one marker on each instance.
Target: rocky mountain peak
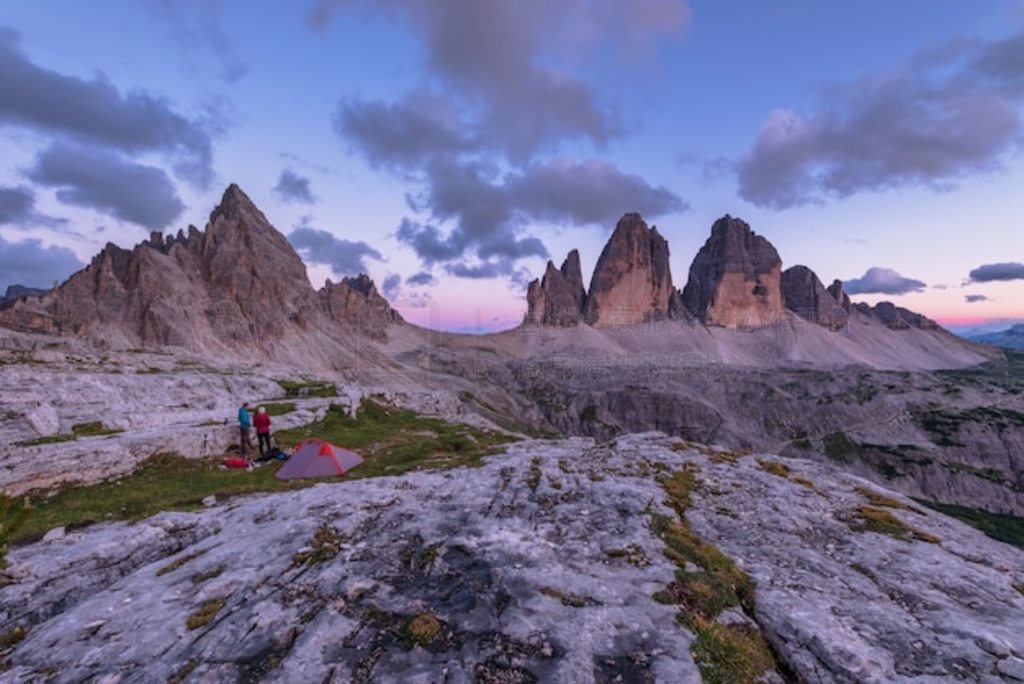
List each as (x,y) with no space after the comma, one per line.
(558,298)
(632,282)
(804,294)
(238,285)
(735,279)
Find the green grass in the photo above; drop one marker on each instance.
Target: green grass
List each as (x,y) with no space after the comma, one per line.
(725,654)
(294,389)
(1005,528)
(206,613)
(13,518)
(279,408)
(165,482)
(93,428)
(392,441)
(882,521)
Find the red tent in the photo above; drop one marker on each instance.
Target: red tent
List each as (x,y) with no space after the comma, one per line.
(317,458)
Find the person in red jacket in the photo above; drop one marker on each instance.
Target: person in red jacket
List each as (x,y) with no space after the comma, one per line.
(262,424)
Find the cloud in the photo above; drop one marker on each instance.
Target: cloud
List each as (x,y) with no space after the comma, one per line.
(403,134)
(94,111)
(199,26)
(345,257)
(994,272)
(107,182)
(421,278)
(973,298)
(882,281)
(498,97)
(16,204)
(291,187)
(391,286)
(490,212)
(31,264)
(501,59)
(950,113)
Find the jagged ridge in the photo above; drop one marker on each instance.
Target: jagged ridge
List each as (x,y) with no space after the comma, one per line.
(237,285)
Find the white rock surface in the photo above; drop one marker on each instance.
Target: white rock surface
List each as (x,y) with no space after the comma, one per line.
(483,552)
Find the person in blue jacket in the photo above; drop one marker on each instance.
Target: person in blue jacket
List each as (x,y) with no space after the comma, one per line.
(244,428)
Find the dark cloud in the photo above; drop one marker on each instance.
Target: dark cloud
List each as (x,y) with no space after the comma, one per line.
(345,257)
(950,113)
(31,264)
(391,286)
(16,204)
(495,268)
(421,278)
(95,111)
(199,27)
(974,298)
(882,281)
(991,272)
(471,134)
(490,212)
(404,134)
(497,57)
(291,187)
(109,183)
(588,192)
(17,207)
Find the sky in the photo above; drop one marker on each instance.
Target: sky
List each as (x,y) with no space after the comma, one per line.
(449,149)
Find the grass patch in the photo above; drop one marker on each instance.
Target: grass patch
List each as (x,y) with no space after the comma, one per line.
(177,563)
(990,474)
(571,600)
(804,482)
(201,577)
(724,653)
(279,408)
(206,613)
(882,521)
(1005,528)
(421,630)
(729,654)
(394,441)
(12,637)
(295,389)
(324,546)
(94,428)
(774,467)
(183,672)
(534,474)
(13,518)
(164,482)
(879,499)
(47,439)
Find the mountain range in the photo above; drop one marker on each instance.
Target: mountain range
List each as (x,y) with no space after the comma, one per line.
(1011,338)
(239,287)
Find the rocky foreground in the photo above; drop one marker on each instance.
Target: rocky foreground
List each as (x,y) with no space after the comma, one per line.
(542,565)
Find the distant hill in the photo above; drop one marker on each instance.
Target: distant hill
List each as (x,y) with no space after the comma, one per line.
(1011,338)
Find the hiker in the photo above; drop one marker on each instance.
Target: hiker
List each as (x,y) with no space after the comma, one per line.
(262,422)
(244,428)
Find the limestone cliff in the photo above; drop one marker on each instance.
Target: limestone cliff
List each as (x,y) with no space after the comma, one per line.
(735,279)
(806,296)
(236,286)
(559,297)
(632,282)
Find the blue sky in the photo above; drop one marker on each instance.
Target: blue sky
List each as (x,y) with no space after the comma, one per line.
(449,148)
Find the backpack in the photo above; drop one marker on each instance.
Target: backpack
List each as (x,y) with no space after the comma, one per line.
(236,462)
